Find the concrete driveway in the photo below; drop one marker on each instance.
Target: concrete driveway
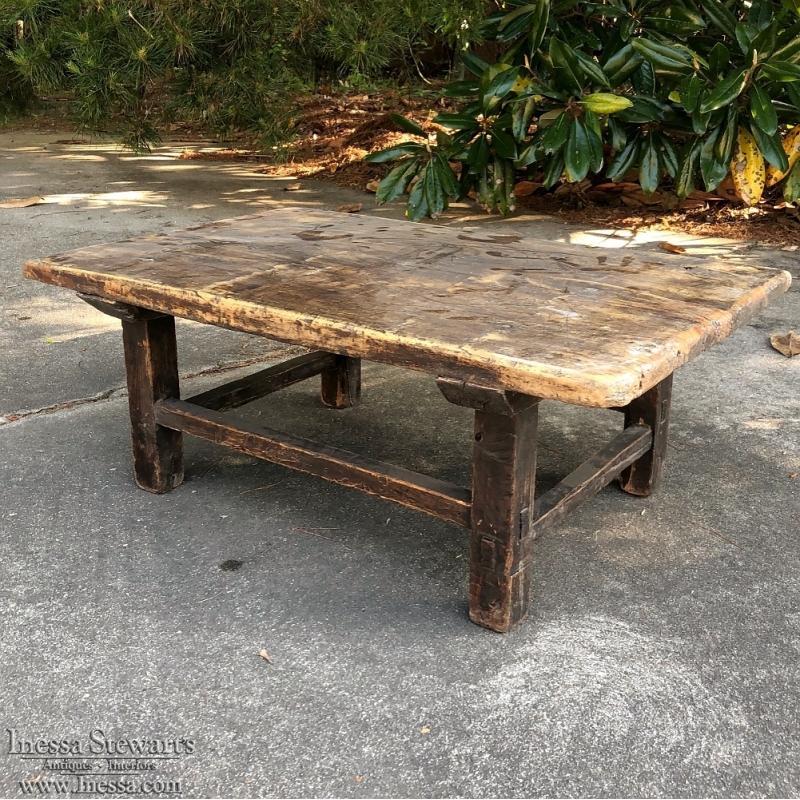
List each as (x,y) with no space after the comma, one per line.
(662,655)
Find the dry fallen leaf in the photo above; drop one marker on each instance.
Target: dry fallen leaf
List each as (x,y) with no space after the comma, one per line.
(352,208)
(23,203)
(265,655)
(671,248)
(787,344)
(372,186)
(292,187)
(425,730)
(793,475)
(359,778)
(525,188)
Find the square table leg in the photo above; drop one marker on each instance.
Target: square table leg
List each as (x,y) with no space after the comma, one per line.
(151,362)
(341,385)
(652,408)
(503,482)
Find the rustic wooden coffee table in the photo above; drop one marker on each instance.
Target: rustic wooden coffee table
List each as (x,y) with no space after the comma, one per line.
(500,321)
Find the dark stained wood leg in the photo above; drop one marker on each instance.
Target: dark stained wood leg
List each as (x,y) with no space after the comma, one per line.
(652,408)
(503,482)
(151,361)
(341,385)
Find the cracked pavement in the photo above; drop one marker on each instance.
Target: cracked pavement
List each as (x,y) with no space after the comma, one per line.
(661,654)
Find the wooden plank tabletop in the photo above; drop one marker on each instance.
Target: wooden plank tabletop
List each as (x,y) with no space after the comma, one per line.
(585,326)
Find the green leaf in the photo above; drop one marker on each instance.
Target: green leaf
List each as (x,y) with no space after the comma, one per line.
(691,88)
(396,182)
(643,109)
(712,168)
(667,154)
(622,65)
(700,121)
(791,186)
(477,66)
(662,57)
(644,79)
(460,89)
(567,70)
(684,185)
(728,135)
(762,111)
(417,206)
(504,144)
(789,52)
(556,135)
(478,154)
(591,69)
(720,16)
(408,125)
(605,103)
(676,20)
(553,171)
(719,59)
(458,122)
(619,137)
(393,153)
(781,70)
(624,161)
(649,166)
(499,87)
(523,114)
(539,24)
(596,149)
(742,38)
(446,176)
(434,192)
(726,92)
(771,148)
(528,156)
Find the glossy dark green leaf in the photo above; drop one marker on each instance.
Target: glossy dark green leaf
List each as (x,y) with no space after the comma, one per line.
(408,125)
(478,154)
(446,176)
(396,182)
(667,154)
(499,87)
(700,122)
(691,88)
(644,79)
(789,52)
(554,169)
(504,144)
(770,147)
(461,89)
(729,131)
(393,153)
(725,92)
(591,69)
(742,38)
(458,122)
(556,135)
(781,70)
(684,185)
(538,26)
(627,27)
(675,20)
(643,109)
(477,66)
(619,136)
(417,206)
(624,161)
(596,149)
(649,166)
(568,73)
(515,22)
(794,95)
(663,57)
(765,42)
(720,16)
(712,167)
(592,121)
(434,191)
(531,154)
(621,66)
(762,111)
(719,59)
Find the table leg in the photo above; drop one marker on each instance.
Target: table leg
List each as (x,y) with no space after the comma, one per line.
(503,482)
(341,385)
(151,361)
(652,408)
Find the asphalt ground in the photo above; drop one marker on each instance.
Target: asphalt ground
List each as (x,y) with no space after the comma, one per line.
(661,654)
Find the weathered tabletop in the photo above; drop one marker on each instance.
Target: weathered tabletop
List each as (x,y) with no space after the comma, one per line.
(557,321)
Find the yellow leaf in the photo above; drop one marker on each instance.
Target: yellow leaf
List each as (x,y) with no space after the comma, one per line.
(747,169)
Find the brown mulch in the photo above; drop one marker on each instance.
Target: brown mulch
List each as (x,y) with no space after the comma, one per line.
(337,131)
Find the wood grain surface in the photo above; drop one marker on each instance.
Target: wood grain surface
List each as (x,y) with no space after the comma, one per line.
(584,326)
